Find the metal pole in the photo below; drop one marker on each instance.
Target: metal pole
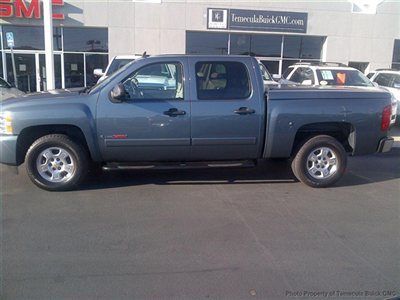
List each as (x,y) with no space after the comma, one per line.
(48,43)
(14,68)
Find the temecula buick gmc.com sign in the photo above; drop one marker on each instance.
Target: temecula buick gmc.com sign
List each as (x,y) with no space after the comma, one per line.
(260,20)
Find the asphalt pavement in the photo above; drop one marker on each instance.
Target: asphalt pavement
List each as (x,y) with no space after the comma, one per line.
(205,234)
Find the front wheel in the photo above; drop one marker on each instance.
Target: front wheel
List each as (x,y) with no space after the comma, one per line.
(55,162)
(320,162)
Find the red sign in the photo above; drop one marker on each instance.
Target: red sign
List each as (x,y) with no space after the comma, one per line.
(26,10)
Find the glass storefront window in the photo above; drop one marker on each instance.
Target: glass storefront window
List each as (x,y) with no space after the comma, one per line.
(206,43)
(287,63)
(94,61)
(311,47)
(57,38)
(30,37)
(1,65)
(272,66)
(396,52)
(361,66)
(266,45)
(31,73)
(308,47)
(25,38)
(86,39)
(74,70)
(292,46)
(240,44)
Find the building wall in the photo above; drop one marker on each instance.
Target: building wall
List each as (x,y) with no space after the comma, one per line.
(160,27)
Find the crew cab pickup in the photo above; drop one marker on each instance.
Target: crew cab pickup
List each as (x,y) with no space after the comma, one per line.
(191,111)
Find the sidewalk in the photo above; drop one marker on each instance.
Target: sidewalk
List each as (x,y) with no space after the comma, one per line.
(395,133)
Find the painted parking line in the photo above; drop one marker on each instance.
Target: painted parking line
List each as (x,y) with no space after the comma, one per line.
(396,142)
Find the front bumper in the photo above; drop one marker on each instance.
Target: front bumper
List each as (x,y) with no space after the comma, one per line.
(385,144)
(8,149)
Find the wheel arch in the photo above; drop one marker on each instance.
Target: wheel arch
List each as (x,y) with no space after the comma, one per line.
(343,132)
(30,134)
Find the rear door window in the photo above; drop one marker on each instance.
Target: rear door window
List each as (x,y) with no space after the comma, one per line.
(396,81)
(222,80)
(383,79)
(344,77)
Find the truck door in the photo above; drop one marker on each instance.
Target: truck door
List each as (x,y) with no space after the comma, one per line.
(153,122)
(226,109)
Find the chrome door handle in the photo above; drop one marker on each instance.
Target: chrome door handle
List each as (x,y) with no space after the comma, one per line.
(244,111)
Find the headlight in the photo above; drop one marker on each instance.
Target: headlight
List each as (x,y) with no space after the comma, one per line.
(5,123)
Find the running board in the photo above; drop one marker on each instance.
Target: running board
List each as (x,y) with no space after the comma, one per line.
(178,165)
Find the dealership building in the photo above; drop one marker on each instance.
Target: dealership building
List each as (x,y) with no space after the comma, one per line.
(363,34)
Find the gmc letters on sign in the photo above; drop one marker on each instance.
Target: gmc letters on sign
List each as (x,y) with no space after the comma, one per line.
(27,10)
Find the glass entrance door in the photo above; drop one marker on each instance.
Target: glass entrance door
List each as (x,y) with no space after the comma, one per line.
(31,71)
(25,68)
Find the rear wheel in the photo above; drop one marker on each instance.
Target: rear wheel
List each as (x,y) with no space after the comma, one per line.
(55,162)
(320,162)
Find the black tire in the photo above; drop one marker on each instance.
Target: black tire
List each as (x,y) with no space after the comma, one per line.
(78,154)
(299,163)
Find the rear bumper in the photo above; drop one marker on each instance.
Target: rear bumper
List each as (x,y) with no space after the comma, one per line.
(385,144)
(8,149)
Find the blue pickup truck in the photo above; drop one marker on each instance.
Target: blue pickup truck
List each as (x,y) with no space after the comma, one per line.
(208,110)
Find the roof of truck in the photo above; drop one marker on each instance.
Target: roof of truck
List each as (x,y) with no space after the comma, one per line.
(202,55)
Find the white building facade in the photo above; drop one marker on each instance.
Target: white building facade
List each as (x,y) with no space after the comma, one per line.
(363,34)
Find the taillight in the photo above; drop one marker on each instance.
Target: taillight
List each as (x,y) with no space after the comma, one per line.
(386,115)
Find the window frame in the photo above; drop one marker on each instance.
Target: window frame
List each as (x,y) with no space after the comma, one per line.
(164,99)
(246,98)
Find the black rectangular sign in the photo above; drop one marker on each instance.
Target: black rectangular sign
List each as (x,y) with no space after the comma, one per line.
(258,20)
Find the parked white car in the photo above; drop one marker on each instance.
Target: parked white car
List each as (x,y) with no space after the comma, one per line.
(322,73)
(7,91)
(115,64)
(390,80)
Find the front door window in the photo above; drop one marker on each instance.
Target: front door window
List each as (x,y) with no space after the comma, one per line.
(159,81)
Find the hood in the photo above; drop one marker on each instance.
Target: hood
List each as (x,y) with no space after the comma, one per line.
(43,96)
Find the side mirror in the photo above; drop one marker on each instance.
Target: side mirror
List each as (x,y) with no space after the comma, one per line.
(307,82)
(396,85)
(375,84)
(98,72)
(118,93)
(276,76)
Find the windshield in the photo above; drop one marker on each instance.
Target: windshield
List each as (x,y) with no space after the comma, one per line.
(117,64)
(264,72)
(4,84)
(99,85)
(342,77)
